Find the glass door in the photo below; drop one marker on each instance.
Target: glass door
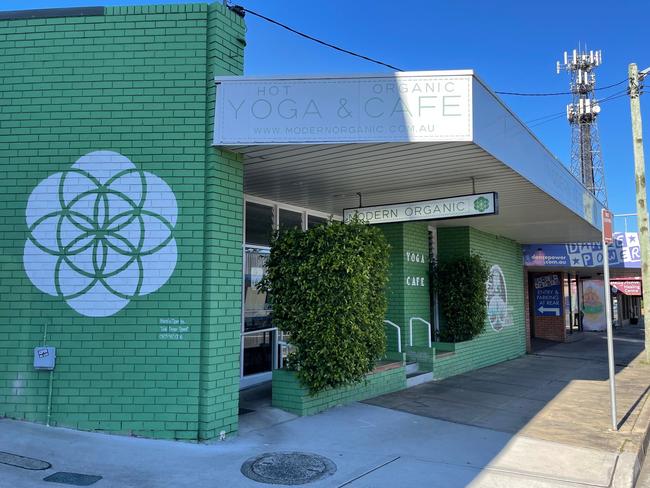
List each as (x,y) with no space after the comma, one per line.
(258,334)
(263,347)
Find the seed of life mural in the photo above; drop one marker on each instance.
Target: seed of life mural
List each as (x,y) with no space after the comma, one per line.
(100,234)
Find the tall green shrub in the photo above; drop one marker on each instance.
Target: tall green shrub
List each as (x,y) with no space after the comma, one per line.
(327,290)
(460,285)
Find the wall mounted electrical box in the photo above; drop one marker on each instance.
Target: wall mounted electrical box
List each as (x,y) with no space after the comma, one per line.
(44,357)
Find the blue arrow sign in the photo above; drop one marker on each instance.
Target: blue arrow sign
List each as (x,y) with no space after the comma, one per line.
(548,296)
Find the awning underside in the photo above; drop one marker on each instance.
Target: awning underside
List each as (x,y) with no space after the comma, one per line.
(328,177)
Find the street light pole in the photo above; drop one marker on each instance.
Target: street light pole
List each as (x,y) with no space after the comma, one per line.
(641,197)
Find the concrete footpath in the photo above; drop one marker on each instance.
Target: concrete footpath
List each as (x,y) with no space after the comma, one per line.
(559,436)
(559,394)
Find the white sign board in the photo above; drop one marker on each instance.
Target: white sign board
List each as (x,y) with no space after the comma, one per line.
(396,108)
(442,208)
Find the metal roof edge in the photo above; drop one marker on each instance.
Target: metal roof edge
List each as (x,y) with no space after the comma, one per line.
(556,160)
(328,76)
(48,13)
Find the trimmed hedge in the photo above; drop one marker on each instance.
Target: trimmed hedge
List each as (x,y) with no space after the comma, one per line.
(327,291)
(461,287)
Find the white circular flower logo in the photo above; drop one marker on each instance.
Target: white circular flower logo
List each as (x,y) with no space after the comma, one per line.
(100,234)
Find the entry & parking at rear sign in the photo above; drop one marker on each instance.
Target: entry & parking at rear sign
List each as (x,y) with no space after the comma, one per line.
(548,296)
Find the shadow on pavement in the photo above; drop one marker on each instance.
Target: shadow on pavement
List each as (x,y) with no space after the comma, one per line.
(559,393)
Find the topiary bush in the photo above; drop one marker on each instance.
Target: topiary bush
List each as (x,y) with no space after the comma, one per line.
(327,291)
(460,285)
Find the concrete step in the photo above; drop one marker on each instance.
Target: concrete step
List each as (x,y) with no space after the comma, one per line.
(411,368)
(418,378)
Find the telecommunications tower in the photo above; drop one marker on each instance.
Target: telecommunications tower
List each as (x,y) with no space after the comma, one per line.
(586,158)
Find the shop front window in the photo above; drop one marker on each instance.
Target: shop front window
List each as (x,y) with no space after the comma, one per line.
(263,347)
(313,221)
(259,224)
(289,219)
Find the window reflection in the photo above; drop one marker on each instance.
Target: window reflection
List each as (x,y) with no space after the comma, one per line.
(313,221)
(259,224)
(257,311)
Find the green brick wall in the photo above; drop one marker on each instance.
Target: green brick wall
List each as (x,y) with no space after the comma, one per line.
(408,286)
(133,81)
(222,289)
(290,395)
(491,346)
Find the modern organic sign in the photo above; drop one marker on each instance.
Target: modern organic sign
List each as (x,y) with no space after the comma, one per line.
(442,208)
(398,108)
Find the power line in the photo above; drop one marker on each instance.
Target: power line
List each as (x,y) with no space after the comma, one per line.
(241,10)
(519,94)
(558,115)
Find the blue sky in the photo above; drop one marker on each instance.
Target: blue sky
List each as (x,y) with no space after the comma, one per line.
(512,45)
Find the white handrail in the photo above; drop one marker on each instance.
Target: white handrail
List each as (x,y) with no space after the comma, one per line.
(411,329)
(399,334)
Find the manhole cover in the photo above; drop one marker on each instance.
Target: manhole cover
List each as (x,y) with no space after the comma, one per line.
(23,462)
(74,479)
(288,468)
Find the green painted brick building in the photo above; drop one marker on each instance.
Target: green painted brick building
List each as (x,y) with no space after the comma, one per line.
(135,81)
(141,176)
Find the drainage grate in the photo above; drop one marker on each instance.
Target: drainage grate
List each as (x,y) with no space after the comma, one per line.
(288,468)
(23,462)
(74,479)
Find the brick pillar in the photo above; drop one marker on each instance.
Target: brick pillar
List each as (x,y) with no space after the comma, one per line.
(408,287)
(529,348)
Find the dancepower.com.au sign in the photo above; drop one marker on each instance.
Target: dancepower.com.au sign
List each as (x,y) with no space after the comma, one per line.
(625,252)
(398,108)
(442,208)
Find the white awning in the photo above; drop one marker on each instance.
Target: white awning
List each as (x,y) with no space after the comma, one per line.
(405,142)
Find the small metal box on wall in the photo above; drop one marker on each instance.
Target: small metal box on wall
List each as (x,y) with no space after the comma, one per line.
(44,358)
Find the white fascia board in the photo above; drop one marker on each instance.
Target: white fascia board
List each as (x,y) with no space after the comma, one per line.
(501,133)
(330,76)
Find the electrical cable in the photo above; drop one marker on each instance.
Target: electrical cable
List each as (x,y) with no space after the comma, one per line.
(545,117)
(519,94)
(311,38)
(241,10)
(558,115)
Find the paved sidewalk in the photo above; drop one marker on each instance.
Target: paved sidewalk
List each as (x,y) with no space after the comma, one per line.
(559,394)
(382,447)
(371,447)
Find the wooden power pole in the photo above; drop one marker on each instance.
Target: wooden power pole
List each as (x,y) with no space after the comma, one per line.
(641,196)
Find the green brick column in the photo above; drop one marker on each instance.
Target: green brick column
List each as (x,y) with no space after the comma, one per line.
(408,287)
(222,291)
(132,81)
(499,340)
